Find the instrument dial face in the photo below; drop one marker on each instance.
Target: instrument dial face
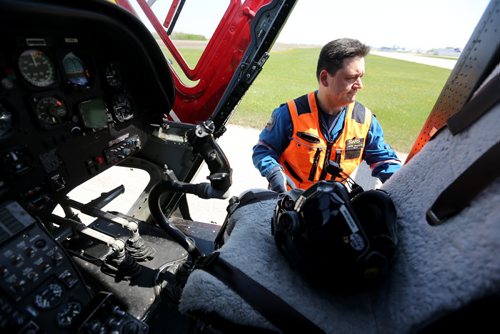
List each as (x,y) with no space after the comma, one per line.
(68,313)
(122,108)
(37,68)
(50,110)
(75,70)
(49,297)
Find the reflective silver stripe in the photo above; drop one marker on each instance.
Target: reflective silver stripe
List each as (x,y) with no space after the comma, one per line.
(395,161)
(348,218)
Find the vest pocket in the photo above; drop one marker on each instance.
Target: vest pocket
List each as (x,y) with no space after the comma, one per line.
(309,137)
(300,156)
(292,171)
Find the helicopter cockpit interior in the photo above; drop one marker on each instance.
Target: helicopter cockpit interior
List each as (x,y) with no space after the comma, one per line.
(84,86)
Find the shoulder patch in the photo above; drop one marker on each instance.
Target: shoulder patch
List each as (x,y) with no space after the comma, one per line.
(270,123)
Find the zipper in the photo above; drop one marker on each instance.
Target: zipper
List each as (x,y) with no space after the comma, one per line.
(314,165)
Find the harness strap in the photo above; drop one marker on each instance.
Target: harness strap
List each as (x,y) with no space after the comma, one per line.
(463,190)
(475,108)
(271,306)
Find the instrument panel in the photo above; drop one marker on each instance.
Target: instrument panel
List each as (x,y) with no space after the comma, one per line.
(65,86)
(80,92)
(71,105)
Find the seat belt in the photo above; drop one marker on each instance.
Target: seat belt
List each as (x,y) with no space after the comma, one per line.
(463,190)
(271,306)
(485,100)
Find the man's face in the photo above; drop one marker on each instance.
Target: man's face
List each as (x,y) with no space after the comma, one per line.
(341,88)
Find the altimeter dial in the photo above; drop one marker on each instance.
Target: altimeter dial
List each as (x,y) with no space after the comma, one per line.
(36,68)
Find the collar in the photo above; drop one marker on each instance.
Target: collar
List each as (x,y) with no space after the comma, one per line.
(343,109)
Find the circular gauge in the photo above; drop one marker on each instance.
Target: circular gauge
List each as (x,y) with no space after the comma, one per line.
(37,68)
(122,108)
(68,313)
(50,110)
(49,297)
(75,70)
(5,121)
(113,75)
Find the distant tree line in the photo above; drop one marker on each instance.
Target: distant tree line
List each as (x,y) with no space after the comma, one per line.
(184,36)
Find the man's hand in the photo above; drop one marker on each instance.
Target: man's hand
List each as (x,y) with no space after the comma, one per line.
(277,179)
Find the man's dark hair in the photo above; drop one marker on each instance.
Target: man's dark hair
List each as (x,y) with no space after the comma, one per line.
(332,55)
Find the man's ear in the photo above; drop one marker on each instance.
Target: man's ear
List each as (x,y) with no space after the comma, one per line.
(323,78)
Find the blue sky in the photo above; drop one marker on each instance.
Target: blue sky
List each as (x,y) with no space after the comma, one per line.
(413,24)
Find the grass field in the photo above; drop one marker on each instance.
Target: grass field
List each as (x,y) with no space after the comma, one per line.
(400,93)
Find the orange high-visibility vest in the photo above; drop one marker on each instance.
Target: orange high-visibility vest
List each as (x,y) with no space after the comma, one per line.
(304,160)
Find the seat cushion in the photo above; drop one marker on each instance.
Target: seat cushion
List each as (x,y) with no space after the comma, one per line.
(436,270)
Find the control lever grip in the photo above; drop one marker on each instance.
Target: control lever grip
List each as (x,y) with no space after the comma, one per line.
(203,142)
(106,197)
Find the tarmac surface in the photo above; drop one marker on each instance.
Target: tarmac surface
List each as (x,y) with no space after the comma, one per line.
(432,61)
(237,144)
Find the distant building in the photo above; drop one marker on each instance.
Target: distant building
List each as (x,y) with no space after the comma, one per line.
(446,52)
(392,49)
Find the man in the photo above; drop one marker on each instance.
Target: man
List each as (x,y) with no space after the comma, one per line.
(325,134)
